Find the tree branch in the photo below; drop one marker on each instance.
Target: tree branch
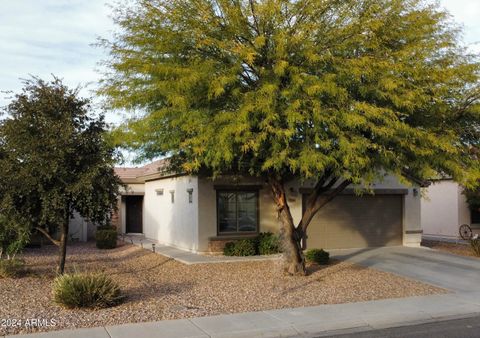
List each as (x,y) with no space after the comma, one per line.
(321,201)
(46,234)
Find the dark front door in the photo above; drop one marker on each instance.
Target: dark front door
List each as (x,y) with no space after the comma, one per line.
(134,206)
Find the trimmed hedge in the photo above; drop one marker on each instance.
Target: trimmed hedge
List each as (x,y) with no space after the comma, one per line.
(106,238)
(264,244)
(91,290)
(318,256)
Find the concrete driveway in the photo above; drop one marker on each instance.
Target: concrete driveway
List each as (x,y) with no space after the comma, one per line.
(456,273)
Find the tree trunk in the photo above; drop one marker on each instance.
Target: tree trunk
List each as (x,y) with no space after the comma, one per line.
(291,236)
(63,249)
(294,260)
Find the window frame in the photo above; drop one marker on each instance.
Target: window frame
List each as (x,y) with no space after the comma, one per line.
(474,216)
(236,190)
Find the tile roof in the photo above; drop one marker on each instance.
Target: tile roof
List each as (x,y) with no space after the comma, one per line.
(129,173)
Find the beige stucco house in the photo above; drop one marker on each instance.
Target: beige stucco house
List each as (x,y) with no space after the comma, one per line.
(443,209)
(201,215)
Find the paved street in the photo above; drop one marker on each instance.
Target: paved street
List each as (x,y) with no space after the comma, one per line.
(456,328)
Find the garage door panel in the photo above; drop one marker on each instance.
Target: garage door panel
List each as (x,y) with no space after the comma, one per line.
(355,222)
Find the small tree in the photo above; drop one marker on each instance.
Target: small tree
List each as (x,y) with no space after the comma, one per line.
(338,92)
(55,159)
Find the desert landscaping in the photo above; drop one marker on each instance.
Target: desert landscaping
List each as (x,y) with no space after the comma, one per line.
(158,288)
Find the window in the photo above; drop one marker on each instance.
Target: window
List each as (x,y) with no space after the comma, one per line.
(475,216)
(237,211)
(172,196)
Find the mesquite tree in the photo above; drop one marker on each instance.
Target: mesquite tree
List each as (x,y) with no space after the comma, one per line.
(54,160)
(334,91)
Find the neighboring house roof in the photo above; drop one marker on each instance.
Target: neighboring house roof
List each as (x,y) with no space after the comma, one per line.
(141,174)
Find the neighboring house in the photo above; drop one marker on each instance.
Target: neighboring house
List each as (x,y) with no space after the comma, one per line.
(201,215)
(444,209)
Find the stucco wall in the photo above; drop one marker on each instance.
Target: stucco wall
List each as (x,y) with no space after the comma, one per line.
(131,189)
(207,212)
(268,217)
(170,223)
(444,209)
(77,228)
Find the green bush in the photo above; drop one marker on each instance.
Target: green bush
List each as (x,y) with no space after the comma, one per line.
(10,268)
(14,235)
(318,256)
(475,244)
(243,247)
(92,290)
(229,249)
(268,243)
(106,227)
(106,239)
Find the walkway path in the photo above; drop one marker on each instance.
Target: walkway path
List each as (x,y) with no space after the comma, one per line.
(187,257)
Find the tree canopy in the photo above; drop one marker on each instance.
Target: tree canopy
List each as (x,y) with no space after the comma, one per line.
(55,159)
(298,87)
(339,92)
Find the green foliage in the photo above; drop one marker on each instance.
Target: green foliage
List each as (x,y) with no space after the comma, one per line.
(297,88)
(265,243)
(229,249)
(10,268)
(86,290)
(475,244)
(106,239)
(268,243)
(55,158)
(473,198)
(318,256)
(13,237)
(243,247)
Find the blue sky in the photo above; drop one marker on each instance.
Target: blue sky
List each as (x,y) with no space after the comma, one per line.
(41,37)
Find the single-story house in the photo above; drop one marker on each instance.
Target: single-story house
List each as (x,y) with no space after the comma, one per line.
(200,215)
(444,209)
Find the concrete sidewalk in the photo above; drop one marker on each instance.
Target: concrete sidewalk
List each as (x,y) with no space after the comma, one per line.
(187,257)
(300,322)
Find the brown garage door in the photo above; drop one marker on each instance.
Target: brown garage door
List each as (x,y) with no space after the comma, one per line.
(350,221)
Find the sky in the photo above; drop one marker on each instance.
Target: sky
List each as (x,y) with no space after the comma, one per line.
(44,37)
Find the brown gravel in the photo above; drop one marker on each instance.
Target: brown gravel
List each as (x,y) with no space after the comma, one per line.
(159,288)
(453,248)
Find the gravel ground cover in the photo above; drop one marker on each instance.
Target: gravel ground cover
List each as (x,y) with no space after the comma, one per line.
(159,288)
(453,248)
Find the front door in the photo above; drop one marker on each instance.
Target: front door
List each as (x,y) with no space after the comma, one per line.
(134,206)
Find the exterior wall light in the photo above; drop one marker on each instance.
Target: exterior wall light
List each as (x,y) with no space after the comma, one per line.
(190,195)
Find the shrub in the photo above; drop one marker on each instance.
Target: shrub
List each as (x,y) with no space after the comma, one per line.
(243,247)
(92,290)
(14,235)
(318,256)
(268,244)
(229,249)
(106,239)
(475,244)
(10,268)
